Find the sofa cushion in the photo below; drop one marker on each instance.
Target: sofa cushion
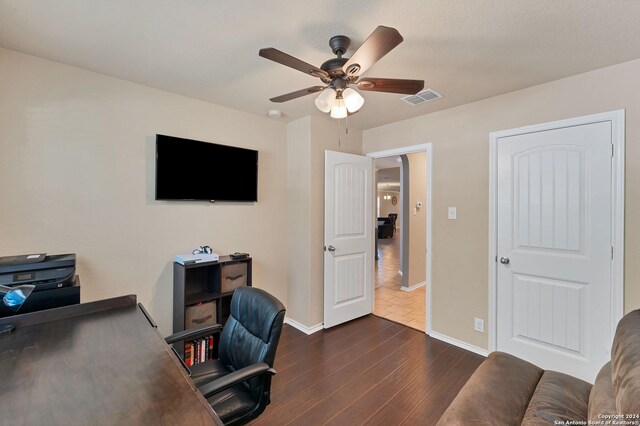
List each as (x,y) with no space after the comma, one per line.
(558,398)
(602,401)
(496,394)
(625,364)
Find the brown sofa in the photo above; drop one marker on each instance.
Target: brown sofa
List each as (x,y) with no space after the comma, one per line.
(506,390)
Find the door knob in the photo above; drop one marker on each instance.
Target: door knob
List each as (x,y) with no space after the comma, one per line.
(504,260)
(331,248)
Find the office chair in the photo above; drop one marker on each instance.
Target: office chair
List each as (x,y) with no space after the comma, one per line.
(238,383)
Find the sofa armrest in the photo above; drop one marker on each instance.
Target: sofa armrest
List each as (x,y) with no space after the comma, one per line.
(497,393)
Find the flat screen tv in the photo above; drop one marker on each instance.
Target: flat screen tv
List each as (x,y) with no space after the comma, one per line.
(194,170)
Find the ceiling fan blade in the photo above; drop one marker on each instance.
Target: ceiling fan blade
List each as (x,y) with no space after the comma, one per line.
(297,94)
(381,41)
(391,85)
(295,63)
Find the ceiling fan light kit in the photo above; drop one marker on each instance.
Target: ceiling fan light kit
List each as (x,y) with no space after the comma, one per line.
(325,100)
(337,98)
(352,100)
(338,110)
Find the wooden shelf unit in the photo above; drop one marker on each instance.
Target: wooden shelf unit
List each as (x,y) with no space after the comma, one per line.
(197,284)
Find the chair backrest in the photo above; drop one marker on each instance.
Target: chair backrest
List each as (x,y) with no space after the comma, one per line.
(393,217)
(252,332)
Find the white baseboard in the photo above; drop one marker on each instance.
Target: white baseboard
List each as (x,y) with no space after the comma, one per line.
(413,287)
(306,330)
(400,272)
(459,343)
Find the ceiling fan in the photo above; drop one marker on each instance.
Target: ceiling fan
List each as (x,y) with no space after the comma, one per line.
(337,98)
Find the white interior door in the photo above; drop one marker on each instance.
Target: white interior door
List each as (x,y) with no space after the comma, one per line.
(554,247)
(348,237)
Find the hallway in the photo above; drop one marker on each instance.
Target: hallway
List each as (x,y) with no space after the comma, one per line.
(407,308)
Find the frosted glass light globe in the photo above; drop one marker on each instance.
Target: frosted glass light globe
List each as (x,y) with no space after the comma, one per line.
(338,110)
(326,99)
(352,100)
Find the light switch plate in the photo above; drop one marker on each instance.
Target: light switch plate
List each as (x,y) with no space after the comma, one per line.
(452,213)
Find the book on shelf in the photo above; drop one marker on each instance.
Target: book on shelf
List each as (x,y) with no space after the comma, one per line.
(199,350)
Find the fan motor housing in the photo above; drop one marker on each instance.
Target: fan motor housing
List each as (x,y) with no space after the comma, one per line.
(334,66)
(339,45)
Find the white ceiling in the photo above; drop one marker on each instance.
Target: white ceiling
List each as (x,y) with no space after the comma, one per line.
(389,179)
(387,162)
(466,50)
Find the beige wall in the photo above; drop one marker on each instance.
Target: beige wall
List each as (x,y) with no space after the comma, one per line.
(307,139)
(460,138)
(77,175)
(417,218)
(387,207)
(299,218)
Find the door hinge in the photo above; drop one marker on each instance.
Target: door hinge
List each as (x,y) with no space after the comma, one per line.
(496,258)
(611,150)
(611,252)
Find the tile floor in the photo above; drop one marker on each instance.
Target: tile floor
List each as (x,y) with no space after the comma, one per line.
(408,308)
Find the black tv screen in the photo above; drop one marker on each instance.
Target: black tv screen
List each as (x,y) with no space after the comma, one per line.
(194,170)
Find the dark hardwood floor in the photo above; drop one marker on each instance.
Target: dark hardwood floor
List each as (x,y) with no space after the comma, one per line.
(369,371)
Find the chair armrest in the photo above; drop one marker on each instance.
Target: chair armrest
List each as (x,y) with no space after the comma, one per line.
(237,376)
(193,333)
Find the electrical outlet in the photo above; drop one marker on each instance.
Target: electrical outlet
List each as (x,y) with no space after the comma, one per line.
(478,325)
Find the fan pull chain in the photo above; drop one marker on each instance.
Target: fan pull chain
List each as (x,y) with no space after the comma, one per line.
(346,129)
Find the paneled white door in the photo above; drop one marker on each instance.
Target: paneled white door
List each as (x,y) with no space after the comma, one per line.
(554,247)
(348,237)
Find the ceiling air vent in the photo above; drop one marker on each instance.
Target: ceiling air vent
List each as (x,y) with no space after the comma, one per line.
(422,97)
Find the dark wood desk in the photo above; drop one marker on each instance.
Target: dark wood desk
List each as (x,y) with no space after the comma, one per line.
(99,363)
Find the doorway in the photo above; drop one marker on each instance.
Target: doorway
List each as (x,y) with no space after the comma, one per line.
(402,271)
